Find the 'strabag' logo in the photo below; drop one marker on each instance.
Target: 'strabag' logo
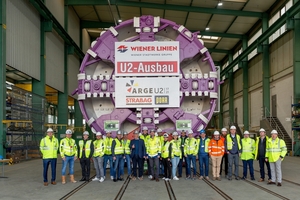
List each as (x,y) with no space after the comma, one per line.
(122,48)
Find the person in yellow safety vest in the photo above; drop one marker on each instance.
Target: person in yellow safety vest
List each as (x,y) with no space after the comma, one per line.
(86,151)
(68,153)
(182,158)
(49,146)
(275,152)
(247,155)
(166,155)
(126,143)
(191,150)
(176,154)
(153,154)
(144,136)
(98,157)
(117,150)
(233,149)
(260,153)
(203,156)
(107,155)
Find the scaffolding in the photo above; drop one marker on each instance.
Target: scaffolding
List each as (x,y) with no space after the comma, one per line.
(25,119)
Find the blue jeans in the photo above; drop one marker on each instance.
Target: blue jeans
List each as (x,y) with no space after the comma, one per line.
(46,163)
(250,164)
(70,160)
(175,161)
(189,159)
(203,160)
(118,163)
(105,159)
(128,164)
(180,165)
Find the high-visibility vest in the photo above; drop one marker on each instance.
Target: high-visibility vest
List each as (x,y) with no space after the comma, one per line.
(146,139)
(248,149)
(126,146)
(229,141)
(99,148)
(87,148)
(256,145)
(275,149)
(68,147)
(216,147)
(191,146)
(119,148)
(206,142)
(49,147)
(176,150)
(154,146)
(108,144)
(165,149)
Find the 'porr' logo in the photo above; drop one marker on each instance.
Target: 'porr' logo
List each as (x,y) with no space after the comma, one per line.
(122,49)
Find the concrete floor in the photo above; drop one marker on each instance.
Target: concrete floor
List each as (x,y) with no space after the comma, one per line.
(25,182)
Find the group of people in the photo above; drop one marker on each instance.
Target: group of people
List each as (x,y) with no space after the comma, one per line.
(167,153)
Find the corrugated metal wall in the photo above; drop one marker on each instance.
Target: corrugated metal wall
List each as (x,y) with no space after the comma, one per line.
(56,7)
(55,61)
(23,37)
(73,70)
(86,41)
(74,26)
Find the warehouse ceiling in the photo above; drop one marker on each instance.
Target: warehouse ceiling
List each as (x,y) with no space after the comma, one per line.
(222,23)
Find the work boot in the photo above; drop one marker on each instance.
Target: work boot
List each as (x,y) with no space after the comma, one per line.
(45,183)
(72,179)
(82,179)
(63,179)
(53,182)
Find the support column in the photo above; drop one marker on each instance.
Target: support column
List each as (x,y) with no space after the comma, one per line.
(231,91)
(2,75)
(77,114)
(296,68)
(245,88)
(266,69)
(221,121)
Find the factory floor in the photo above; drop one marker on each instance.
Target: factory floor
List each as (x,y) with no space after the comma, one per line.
(24,181)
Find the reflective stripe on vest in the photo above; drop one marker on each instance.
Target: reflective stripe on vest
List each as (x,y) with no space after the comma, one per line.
(108,143)
(176,150)
(68,147)
(153,146)
(119,148)
(190,146)
(165,150)
(216,147)
(49,147)
(248,149)
(87,148)
(126,146)
(98,148)
(229,142)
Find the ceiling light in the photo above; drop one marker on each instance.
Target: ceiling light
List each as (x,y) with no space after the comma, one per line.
(220,3)
(207,28)
(119,20)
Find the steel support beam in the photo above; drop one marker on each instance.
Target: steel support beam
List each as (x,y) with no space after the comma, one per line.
(2,76)
(231,92)
(296,44)
(265,36)
(266,70)
(245,89)
(195,9)
(45,12)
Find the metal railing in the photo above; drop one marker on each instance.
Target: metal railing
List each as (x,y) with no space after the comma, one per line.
(273,121)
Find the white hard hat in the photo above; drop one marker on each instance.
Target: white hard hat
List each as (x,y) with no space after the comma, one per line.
(190,132)
(125,133)
(274,132)
(152,130)
(166,135)
(119,133)
(49,130)
(159,130)
(174,133)
(216,133)
(68,131)
(262,130)
(145,128)
(224,130)
(98,133)
(246,133)
(232,128)
(85,133)
(108,131)
(136,132)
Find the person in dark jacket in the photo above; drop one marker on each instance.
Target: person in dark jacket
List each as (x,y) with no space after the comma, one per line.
(86,151)
(183,158)
(137,154)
